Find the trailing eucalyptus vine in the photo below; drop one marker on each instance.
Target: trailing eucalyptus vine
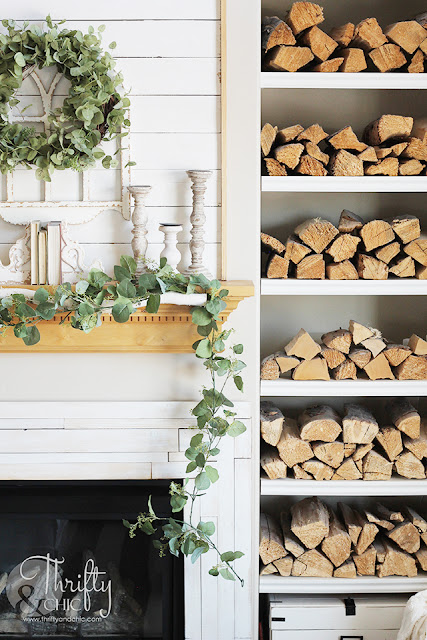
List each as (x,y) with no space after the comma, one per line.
(83,306)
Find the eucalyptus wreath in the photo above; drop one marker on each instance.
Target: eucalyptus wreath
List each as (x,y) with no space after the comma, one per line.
(83,306)
(94,110)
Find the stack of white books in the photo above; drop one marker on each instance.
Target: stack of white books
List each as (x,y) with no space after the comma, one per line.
(45,249)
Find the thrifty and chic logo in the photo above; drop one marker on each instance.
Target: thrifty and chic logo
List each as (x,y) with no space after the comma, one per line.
(36,587)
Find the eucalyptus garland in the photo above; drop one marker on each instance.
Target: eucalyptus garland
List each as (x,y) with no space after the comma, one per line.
(83,306)
(94,110)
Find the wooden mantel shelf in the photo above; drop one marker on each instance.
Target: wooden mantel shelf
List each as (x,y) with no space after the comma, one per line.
(169,331)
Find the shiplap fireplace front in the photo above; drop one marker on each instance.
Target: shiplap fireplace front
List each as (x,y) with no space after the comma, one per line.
(119,444)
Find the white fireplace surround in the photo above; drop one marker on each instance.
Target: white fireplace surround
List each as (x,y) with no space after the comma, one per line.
(145,440)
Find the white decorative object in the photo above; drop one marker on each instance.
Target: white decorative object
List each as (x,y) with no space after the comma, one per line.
(139,220)
(171,251)
(198,219)
(18,269)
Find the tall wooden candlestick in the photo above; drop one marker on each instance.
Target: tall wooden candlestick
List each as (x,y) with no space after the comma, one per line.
(139,220)
(198,219)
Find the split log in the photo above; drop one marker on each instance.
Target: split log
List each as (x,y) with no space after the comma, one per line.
(291,448)
(380,522)
(291,542)
(376,234)
(417,249)
(376,467)
(388,252)
(286,363)
(340,340)
(386,128)
(408,35)
(406,227)
(396,354)
(267,569)
(421,556)
(403,268)
(346,139)
(408,466)
(315,369)
(343,247)
(268,136)
(319,470)
(344,163)
(421,18)
(418,446)
(370,268)
(396,562)
(388,57)
(347,471)
(359,332)
(311,267)
(296,250)
(345,371)
(271,419)
(274,168)
(349,222)
(398,148)
(274,32)
(269,368)
(310,521)
(300,474)
(417,62)
(272,464)
(314,133)
(309,166)
(405,417)
(320,422)
(289,133)
(354,61)
(337,544)
(411,168)
(315,152)
(346,570)
(289,154)
(316,233)
(382,152)
(343,34)
(406,536)
(359,425)
(420,129)
(391,441)
(331,453)
(361,451)
(341,271)
(284,58)
(368,35)
(380,549)
(369,155)
(284,566)
(303,15)
(277,267)
(367,534)
(379,369)
(271,543)
(269,243)
(384,512)
(374,345)
(333,357)
(360,357)
(329,66)
(417,520)
(365,562)
(351,521)
(421,272)
(312,564)
(319,42)
(387,167)
(303,346)
(413,368)
(416,150)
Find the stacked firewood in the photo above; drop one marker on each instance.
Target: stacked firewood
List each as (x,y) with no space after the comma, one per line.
(359,352)
(298,43)
(314,540)
(372,251)
(392,145)
(321,444)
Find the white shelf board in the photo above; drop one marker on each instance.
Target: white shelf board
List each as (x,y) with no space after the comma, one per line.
(313,80)
(343,184)
(361,584)
(331,388)
(394,487)
(391,287)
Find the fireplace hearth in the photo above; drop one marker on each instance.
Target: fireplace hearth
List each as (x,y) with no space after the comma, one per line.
(68,568)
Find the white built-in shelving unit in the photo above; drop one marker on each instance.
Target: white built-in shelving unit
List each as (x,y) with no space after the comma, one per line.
(398,307)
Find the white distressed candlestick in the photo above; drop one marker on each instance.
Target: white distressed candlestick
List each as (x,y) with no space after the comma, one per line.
(139,220)
(198,219)
(171,251)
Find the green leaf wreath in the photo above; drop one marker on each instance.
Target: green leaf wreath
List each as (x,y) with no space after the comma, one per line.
(83,306)
(94,110)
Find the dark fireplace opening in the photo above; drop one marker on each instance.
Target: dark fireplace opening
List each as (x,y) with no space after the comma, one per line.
(68,568)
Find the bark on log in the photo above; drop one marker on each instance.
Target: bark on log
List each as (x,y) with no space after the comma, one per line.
(272,464)
(417,520)
(271,423)
(380,522)
(268,136)
(269,368)
(387,127)
(340,340)
(349,222)
(405,417)
(351,521)
(418,446)
(320,422)
(271,543)
(359,425)
(291,542)
(310,521)
(274,32)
